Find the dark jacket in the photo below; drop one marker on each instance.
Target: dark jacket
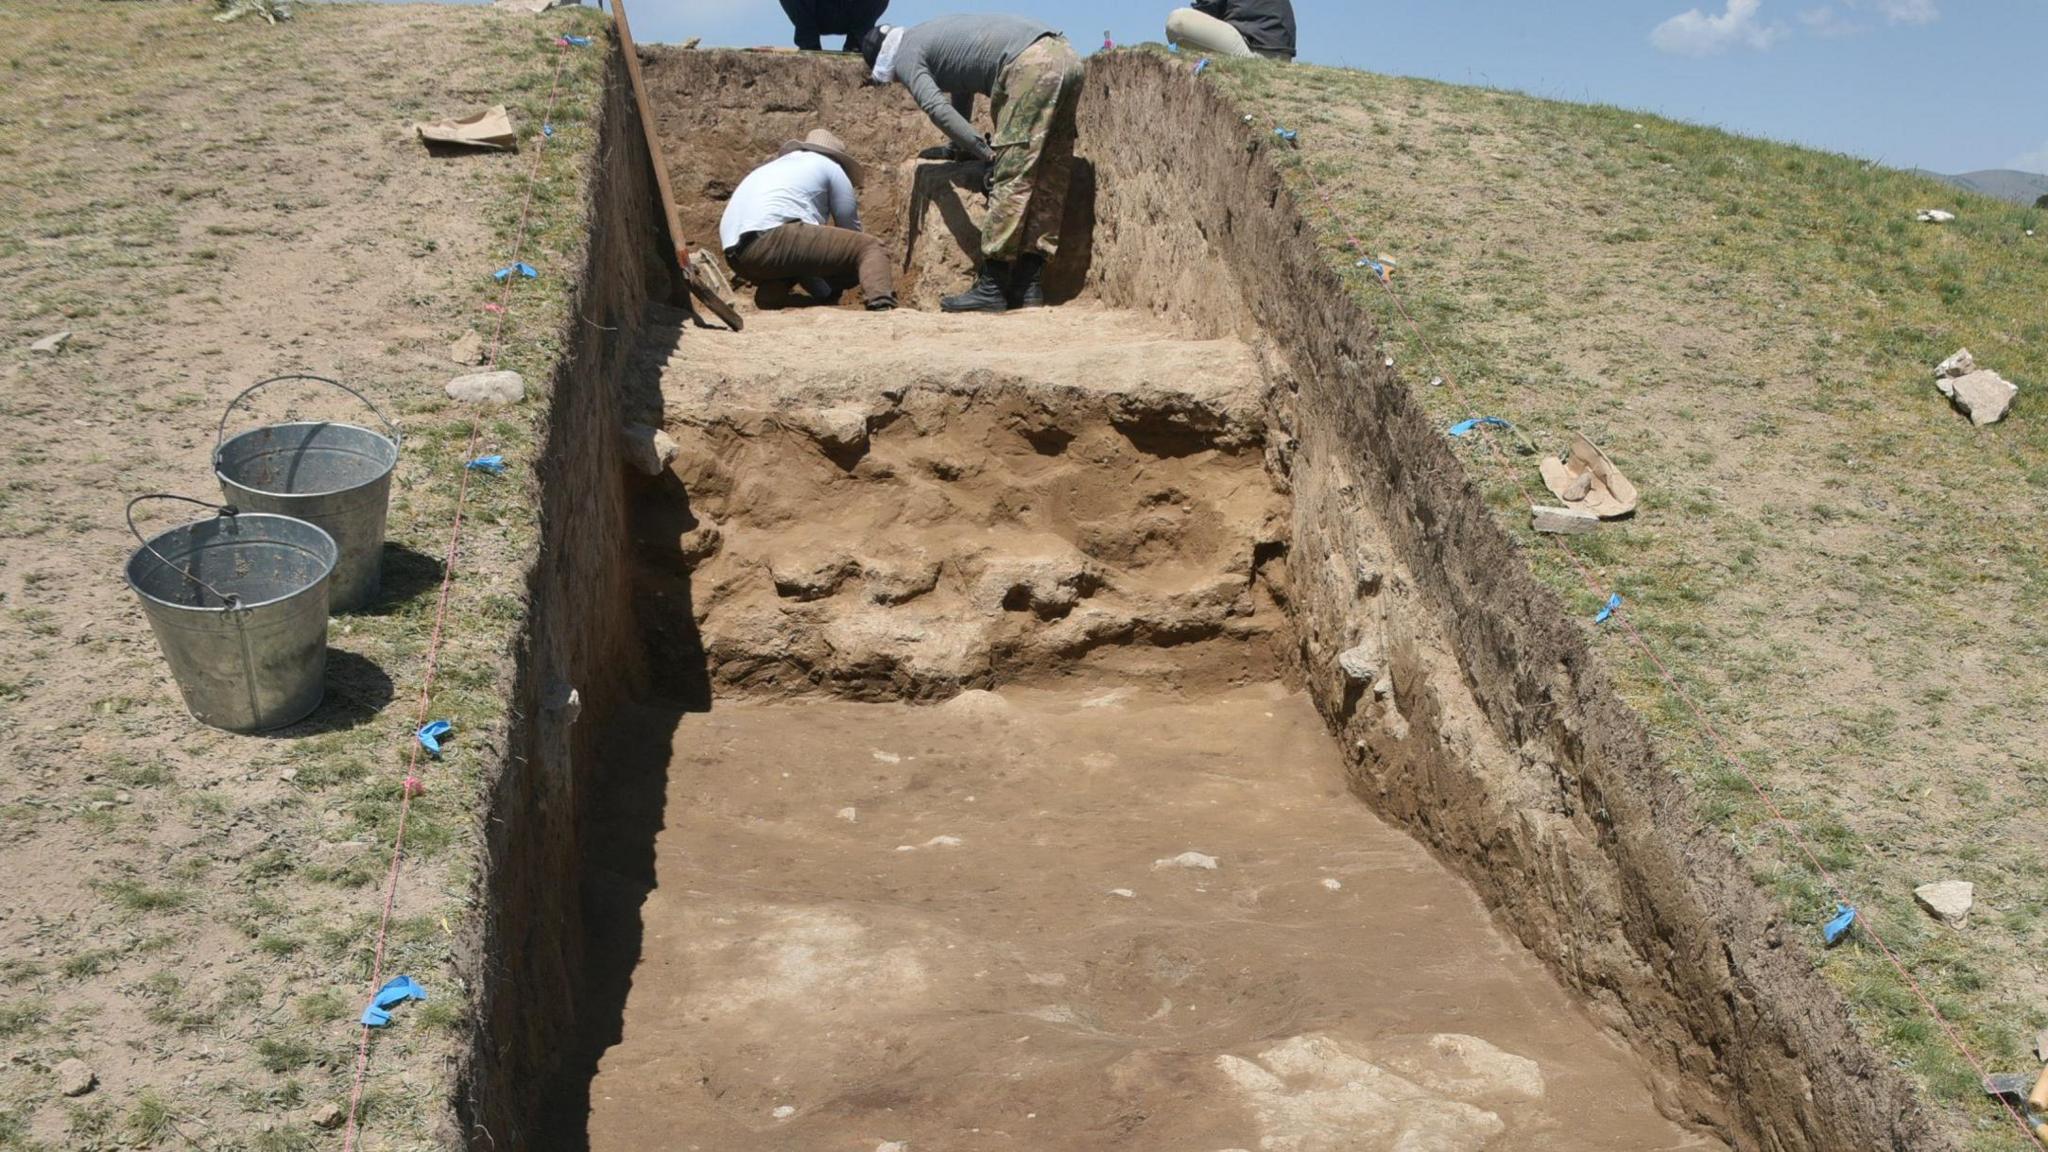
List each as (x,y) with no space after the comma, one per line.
(1266,25)
(848,18)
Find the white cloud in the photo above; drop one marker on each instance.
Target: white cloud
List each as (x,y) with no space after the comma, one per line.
(1829,23)
(1695,33)
(1909,11)
(2035,161)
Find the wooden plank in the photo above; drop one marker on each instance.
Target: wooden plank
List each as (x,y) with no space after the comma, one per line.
(647,125)
(706,293)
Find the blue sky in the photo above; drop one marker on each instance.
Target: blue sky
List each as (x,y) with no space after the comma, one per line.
(1953,85)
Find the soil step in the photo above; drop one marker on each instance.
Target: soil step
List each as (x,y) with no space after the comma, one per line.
(981,500)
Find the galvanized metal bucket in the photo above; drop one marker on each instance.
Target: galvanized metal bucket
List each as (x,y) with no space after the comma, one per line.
(239,607)
(336,476)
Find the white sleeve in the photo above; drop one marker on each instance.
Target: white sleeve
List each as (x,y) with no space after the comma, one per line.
(845,208)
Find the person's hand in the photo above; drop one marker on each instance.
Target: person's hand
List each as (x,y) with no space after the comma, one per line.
(988,178)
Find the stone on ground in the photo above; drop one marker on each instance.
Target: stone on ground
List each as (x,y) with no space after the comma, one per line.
(1187,860)
(1960,364)
(649,450)
(500,387)
(1947,900)
(328,1116)
(467,348)
(1984,396)
(75,1078)
(50,345)
(1362,663)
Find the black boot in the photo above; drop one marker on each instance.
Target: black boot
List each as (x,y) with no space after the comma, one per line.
(1027,284)
(989,294)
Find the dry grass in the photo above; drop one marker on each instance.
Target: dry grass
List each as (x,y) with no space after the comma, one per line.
(1847,575)
(203,205)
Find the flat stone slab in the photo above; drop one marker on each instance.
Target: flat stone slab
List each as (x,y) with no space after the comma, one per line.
(1948,901)
(500,387)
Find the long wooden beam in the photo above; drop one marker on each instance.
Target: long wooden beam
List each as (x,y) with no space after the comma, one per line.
(706,293)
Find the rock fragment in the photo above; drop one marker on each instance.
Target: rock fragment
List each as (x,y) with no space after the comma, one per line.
(1960,364)
(328,1116)
(700,543)
(1361,663)
(1562,521)
(1333,884)
(52,344)
(1187,860)
(75,1077)
(1948,901)
(500,387)
(1983,396)
(649,450)
(467,348)
(849,815)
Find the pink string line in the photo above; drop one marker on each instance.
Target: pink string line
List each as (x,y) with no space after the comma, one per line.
(1713,731)
(411,785)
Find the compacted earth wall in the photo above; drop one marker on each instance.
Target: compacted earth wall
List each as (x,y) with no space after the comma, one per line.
(1481,720)
(1468,702)
(577,657)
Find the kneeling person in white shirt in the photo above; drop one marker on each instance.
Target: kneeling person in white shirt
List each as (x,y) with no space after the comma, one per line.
(775,231)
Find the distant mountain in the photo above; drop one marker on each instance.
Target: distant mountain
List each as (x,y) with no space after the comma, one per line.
(2004,183)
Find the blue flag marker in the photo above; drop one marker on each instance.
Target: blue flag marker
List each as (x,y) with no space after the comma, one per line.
(1286,134)
(1378,269)
(495,465)
(1613,606)
(395,991)
(1201,65)
(1835,930)
(574,41)
(1464,428)
(431,735)
(520,266)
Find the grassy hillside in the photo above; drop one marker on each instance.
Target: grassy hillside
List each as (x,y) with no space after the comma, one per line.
(1849,577)
(204,205)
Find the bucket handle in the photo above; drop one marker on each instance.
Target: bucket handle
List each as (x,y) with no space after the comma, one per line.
(221,433)
(231,601)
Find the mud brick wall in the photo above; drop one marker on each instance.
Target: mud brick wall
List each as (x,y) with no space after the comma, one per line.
(1488,728)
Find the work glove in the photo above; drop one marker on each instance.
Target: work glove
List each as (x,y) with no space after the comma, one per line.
(946,151)
(988,179)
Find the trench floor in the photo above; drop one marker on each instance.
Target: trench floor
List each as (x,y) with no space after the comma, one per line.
(972,926)
(1112,892)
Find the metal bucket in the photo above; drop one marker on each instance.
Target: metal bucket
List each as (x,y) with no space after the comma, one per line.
(337,476)
(239,606)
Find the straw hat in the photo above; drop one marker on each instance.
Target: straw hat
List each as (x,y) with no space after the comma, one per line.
(825,144)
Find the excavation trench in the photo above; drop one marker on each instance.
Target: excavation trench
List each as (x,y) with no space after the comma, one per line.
(1112,726)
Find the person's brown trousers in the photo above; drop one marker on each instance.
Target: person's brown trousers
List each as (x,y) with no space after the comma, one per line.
(780,257)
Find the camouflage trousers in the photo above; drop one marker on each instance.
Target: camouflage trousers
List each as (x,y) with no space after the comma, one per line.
(1033,105)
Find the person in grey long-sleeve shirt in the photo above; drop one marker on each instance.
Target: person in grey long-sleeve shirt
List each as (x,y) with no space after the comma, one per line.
(1033,79)
(949,61)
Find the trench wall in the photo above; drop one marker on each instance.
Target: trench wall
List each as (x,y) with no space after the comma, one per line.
(1486,725)
(522,961)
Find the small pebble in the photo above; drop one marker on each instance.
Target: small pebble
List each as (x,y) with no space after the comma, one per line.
(849,815)
(1126,893)
(783,1112)
(75,1077)
(1332,883)
(1187,860)
(328,1116)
